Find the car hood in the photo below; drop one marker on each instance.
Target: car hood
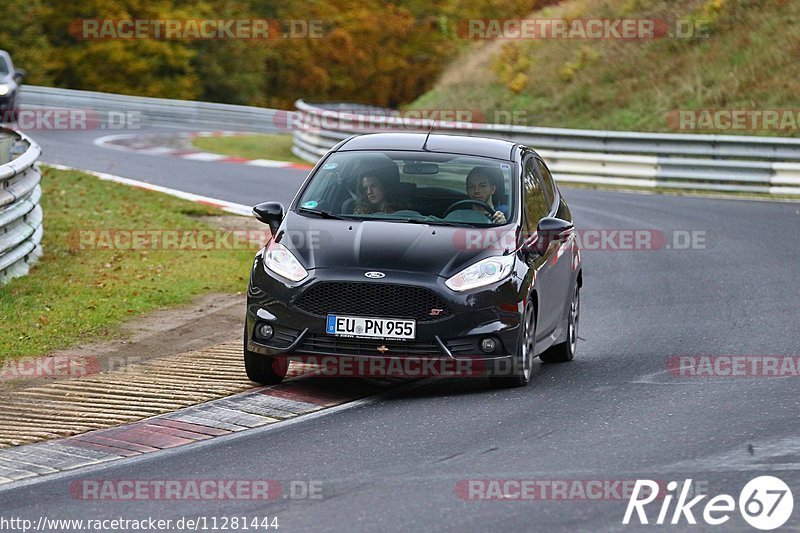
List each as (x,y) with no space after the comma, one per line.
(380,245)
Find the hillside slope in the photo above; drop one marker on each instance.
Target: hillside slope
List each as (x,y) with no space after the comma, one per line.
(748,60)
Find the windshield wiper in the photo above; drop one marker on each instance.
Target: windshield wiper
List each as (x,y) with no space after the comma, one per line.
(432,222)
(319,213)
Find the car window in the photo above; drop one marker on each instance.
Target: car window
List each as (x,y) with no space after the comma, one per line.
(404,186)
(536,204)
(3,66)
(547,182)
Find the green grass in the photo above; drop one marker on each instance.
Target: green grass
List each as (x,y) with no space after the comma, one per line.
(275,147)
(748,61)
(74,295)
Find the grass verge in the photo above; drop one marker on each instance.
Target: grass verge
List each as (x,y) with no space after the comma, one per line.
(737,55)
(257,146)
(75,295)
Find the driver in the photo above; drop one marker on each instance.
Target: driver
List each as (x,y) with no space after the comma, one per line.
(482,185)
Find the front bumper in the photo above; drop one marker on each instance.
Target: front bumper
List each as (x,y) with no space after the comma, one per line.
(492,312)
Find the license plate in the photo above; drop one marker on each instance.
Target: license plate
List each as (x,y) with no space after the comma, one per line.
(373,328)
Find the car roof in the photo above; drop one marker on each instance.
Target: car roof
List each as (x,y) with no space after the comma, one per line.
(453,144)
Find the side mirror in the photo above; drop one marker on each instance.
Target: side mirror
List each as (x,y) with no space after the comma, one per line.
(270,213)
(550,229)
(19,75)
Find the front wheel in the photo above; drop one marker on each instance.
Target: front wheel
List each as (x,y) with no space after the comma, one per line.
(263,369)
(522,365)
(561,353)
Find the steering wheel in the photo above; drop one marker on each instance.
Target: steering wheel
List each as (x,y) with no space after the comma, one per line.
(461,203)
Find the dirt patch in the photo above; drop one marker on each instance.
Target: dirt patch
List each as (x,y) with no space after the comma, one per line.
(257,230)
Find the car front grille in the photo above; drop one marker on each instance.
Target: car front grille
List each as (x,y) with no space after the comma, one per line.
(374,300)
(329,345)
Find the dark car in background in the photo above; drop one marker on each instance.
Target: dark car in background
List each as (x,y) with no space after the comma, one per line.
(402,245)
(10,82)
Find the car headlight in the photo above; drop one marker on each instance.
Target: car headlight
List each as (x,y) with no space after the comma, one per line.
(484,272)
(281,261)
(3,89)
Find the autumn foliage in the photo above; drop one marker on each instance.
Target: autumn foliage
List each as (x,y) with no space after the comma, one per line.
(369,51)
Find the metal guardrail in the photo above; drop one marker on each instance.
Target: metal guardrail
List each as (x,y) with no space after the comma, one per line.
(155,110)
(684,161)
(20,213)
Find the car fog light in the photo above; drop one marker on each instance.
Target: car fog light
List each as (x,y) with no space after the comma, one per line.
(265,331)
(488,345)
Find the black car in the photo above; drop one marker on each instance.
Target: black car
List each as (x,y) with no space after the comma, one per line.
(406,245)
(10,81)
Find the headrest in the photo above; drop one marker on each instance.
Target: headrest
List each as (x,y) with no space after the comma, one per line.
(386,173)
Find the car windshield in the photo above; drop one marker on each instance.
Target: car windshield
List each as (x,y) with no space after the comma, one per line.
(3,66)
(412,187)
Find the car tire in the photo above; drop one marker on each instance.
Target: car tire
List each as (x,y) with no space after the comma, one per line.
(564,352)
(522,364)
(263,369)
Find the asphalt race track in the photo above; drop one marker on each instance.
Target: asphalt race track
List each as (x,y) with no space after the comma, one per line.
(228,181)
(616,413)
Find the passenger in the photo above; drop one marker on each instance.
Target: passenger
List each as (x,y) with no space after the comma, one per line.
(376,192)
(483,184)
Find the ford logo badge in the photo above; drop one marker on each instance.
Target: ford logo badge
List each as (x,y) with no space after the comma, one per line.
(375,275)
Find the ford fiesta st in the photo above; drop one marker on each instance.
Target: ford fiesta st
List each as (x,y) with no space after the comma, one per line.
(406,245)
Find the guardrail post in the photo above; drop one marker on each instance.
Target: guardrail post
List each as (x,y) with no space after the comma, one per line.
(6,142)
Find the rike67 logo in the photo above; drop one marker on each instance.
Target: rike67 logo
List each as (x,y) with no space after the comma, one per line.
(765,503)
